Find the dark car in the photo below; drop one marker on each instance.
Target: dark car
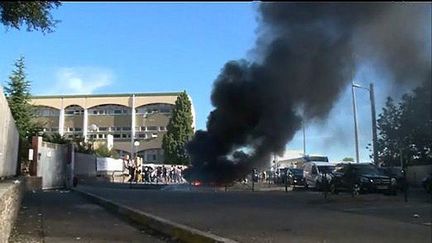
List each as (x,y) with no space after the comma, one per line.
(360,178)
(396,175)
(295,177)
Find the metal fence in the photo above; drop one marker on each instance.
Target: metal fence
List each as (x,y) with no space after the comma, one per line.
(9,139)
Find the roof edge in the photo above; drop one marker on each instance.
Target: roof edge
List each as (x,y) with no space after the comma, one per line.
(105,95)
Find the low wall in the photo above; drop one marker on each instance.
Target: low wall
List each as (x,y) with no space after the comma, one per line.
(11,192)
(416,173)
(85,165)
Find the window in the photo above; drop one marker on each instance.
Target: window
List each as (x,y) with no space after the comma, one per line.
(143,128)
(77,129)
(314,170)
(142,135)
(117,111)
(161,128)
(152,128)
(103,128)
(116,135)
(126,128)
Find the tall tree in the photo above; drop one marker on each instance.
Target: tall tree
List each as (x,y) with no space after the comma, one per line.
(17,93)
(180,131)
(35,14)
(406,128)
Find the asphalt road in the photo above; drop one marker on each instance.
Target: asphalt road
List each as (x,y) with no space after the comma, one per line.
(64,216)
(296,216)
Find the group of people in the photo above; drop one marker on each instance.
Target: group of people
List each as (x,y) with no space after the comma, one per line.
(139,172)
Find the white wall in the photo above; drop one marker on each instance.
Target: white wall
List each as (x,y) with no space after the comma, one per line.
(9,139)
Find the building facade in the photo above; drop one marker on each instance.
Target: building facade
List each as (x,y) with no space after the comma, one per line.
(130,123)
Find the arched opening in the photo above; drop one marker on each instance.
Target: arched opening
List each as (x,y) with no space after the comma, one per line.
(47,117)
(73,121)
(152,119)
(154,108)
(74,110)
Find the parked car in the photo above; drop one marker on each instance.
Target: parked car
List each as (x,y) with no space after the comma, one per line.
(295,177)
(396,175)
(427,183)
(314,173)
(360,178)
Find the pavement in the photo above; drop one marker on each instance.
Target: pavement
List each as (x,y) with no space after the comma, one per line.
(277,216)
(64,216)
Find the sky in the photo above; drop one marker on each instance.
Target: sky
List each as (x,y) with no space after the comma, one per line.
(100,48)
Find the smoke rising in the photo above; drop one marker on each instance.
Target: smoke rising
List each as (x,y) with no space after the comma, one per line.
(308,54)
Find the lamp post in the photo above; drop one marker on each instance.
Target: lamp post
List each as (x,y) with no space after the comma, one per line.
(355,124)
(93,128)
(136,144)
(373,115)
(304,138)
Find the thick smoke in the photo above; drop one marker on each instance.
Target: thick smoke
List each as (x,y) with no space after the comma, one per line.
(307,54)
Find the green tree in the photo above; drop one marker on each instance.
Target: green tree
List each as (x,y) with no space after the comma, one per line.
(17,93)
(406,127)
(179,132)
(348,159)
(35,14)
(55,138)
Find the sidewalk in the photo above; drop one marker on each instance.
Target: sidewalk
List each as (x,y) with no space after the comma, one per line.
(64,216)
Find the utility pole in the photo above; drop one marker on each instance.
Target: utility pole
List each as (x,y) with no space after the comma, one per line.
(355,124)
(304,138)
(374,128)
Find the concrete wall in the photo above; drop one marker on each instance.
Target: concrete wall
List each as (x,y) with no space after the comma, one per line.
(85,165)
(9,139)
(10,201)
(416,173)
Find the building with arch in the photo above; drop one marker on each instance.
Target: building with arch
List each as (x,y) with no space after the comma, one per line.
(126,118)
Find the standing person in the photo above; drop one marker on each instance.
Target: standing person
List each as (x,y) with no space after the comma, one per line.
(158,174)
(138,170)
(130,165)
(164,173)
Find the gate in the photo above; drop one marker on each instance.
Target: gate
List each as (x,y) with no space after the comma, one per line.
(53,165)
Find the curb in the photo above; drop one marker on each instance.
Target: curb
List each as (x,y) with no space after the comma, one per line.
(177,231)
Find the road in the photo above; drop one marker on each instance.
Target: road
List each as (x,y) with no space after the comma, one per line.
(296,216)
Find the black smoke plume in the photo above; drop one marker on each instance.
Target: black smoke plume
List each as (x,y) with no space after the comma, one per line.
(306,55)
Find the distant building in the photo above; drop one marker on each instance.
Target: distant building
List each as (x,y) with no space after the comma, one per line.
(141,117)
(296,159)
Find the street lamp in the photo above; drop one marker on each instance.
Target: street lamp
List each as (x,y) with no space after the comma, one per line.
(136,144)
(93,128)
(373,114)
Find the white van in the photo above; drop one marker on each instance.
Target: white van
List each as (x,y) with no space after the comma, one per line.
(313,173)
